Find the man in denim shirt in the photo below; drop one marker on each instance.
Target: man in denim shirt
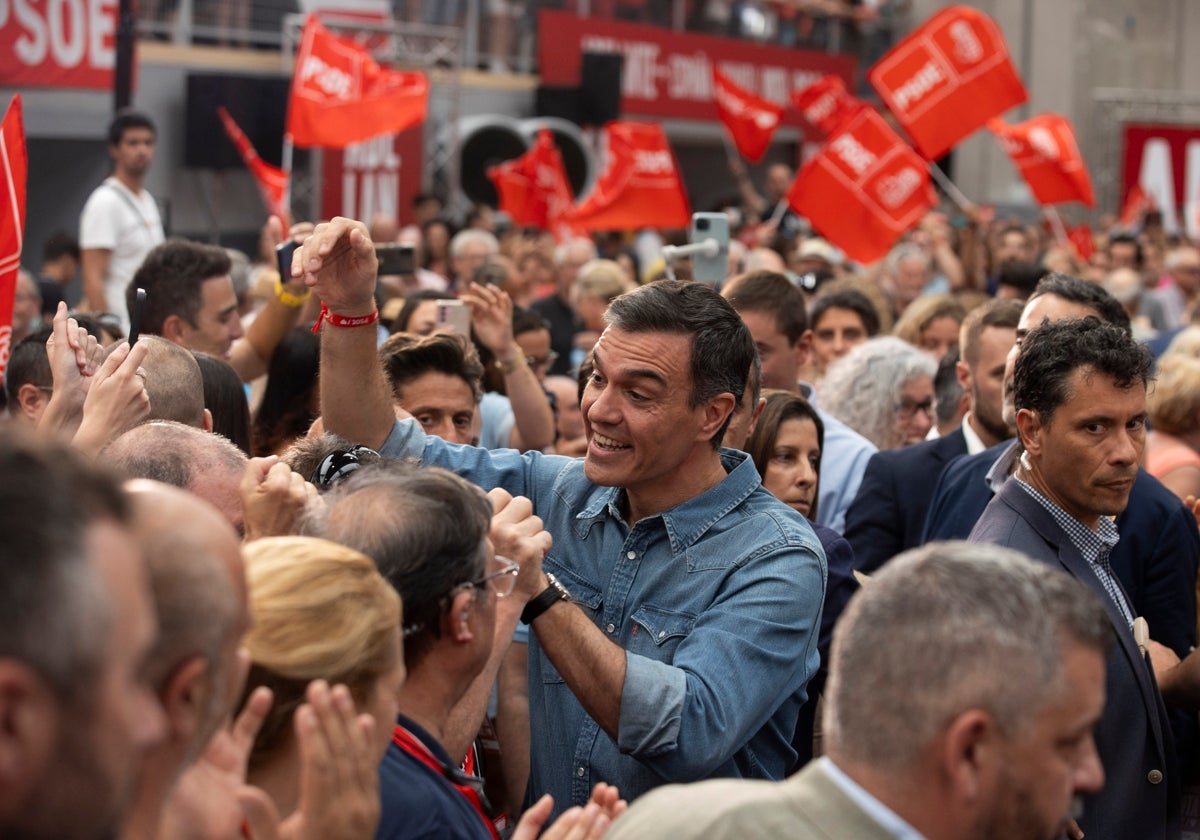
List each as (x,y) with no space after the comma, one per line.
(694,596)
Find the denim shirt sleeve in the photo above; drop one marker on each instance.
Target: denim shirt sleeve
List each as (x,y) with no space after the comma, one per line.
(519,474)
(747,653)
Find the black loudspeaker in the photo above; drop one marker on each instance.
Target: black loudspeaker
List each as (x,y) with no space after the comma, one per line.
(258,104)
(557,101)
(600,87)
(484,142)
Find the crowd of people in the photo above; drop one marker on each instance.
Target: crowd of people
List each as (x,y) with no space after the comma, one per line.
(541,537)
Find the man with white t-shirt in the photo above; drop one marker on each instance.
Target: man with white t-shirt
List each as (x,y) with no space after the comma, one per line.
(120,222)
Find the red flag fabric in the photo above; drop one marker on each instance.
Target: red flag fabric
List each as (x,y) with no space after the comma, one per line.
(340,95)
(1082,240)
(826,104)
(1137,203)
(948,78)
(13,169)
(750,119)
(863,188)
(533,188)
(640,185)
(1045,151)
(272,181)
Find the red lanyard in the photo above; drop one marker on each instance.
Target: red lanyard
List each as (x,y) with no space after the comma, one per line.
(412,745)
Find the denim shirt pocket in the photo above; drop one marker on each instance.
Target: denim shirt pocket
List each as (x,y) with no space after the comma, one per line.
(585,595)
(657,632)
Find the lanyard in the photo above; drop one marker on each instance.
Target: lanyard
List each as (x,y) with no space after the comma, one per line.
(470,786)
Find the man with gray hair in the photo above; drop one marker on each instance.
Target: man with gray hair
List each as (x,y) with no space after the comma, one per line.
(958,746)
(557,309)
(469,249)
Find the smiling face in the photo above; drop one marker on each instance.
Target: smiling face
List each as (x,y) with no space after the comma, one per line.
(791,473)
(642,433)
(1085,458)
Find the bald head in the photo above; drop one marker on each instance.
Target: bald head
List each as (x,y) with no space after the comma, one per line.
(173,382)
(199,585)
(202,463)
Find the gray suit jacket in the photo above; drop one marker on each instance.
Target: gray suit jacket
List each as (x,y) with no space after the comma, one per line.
(806,805)
(1140,797)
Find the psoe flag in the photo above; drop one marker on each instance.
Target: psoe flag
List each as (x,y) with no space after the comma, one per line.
(948,78)
(826,104)
(640,185)
(13,169)
(340,95)
(863,188)
(750,119)
(1045,151)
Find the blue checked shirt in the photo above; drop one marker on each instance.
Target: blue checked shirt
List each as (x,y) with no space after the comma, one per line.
(1095,546)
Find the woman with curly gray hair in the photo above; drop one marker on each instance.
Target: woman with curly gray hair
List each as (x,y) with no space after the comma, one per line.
(883,389)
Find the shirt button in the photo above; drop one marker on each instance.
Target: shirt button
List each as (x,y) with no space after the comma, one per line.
(631,555)
(612,628)
(662,633)
(1154,776)
(580,772)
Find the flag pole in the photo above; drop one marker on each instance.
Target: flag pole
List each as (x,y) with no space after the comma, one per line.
(948,187)
(1056,222)
(286,160)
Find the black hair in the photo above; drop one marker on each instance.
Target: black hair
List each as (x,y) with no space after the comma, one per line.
(173,275)
(773,293)
(851,300)
(1091,295)
(126,119)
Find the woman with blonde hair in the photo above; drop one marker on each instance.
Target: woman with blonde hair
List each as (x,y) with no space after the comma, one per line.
(1173,445)
(931,323)
(321,613)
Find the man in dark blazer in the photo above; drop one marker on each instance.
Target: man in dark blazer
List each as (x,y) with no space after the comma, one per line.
(1156,558)
(1079,387)
(888,514)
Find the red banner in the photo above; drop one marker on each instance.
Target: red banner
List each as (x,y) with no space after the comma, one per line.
(380,175)
(340,95)
(58,44)
(1045,152)
(272,181)
(533,188)
(669,73)
(1082,241)
(826,104)
(13,169)
(864,188)
(750,120)
(640,185)
(1165,161)
(948,78)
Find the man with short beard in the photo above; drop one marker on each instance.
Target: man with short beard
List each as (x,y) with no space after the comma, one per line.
(887,515)
(956,748)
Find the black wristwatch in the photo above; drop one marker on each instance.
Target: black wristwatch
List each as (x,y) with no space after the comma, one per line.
(544,600)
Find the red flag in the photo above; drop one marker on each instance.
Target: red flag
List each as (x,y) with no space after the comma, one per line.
(272,181)
(340,95)
(948,78)
(864,188)
(750,119)
(13,168)
(533,188)
(826,104)
(640,185)
(1045,151)
(1138,202)
(1083,242)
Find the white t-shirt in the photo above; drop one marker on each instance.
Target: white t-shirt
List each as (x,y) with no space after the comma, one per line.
(128,226)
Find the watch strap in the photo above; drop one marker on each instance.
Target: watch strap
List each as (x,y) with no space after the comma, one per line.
(544,600)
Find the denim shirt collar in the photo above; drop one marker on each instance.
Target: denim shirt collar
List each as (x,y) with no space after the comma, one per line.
(687,521)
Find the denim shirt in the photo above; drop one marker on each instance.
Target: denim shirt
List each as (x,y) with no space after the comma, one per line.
(716,601)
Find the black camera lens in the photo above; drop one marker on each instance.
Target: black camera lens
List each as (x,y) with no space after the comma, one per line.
(702,224)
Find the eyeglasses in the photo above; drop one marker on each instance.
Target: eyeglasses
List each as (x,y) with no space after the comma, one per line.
(503,579)
(544,362)
(908,409)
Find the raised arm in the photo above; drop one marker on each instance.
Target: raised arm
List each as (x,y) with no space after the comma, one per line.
(338,262)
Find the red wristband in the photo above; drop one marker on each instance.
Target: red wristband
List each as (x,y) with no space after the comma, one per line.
(342,320)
